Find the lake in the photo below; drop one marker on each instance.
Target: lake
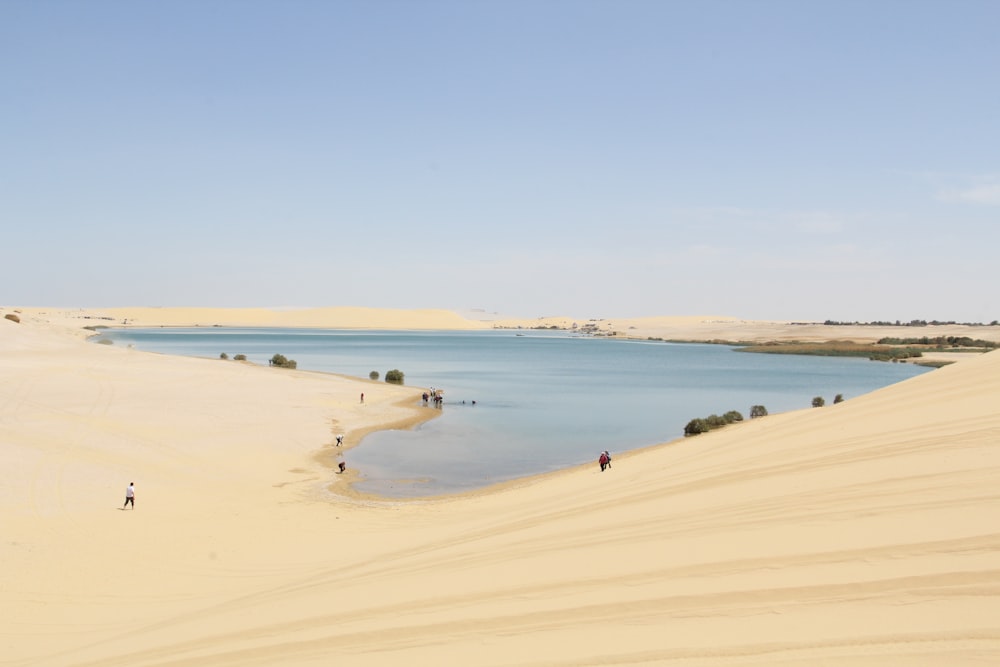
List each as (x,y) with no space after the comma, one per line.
(544,400)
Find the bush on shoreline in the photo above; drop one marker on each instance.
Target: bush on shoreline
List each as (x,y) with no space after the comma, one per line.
(281,361)
(705,424)
(395,376)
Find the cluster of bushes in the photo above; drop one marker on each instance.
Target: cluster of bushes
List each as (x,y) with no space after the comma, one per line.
(395,376)
(819,401)
(705,424)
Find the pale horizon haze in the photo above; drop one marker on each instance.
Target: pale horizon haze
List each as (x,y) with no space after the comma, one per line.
(765,160)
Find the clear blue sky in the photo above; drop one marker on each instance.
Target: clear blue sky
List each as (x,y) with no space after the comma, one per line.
(759,159)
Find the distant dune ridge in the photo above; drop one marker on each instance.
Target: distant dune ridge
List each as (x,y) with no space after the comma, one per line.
(862,533)
(695,328)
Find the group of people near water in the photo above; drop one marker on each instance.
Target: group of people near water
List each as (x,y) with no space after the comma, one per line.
(436,395)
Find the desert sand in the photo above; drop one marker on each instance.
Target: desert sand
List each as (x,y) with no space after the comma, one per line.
(862,533)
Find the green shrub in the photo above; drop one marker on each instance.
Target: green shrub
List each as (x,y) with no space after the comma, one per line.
(696,426)
(839,398)
(240,357)
(705,424)
(758,411)
(223,356)
(394,376)
(715,421)
(818,402)
(373,375)
(281,361)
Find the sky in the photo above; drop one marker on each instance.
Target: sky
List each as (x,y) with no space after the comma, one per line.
(762,159)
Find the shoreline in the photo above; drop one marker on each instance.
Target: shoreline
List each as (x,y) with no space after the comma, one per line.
(409,490)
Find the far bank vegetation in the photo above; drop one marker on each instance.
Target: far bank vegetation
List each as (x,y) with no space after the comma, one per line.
(875,352)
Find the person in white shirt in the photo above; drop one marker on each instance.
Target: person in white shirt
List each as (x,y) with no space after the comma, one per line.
(130,496)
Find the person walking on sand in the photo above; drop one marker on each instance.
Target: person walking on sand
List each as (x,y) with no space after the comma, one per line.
(340,440)
(362,397)
(130,496)
(604,460)
(608,455)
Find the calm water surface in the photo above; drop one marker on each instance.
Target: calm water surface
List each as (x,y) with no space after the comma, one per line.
(544,400)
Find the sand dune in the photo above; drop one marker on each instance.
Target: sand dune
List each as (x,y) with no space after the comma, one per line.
(331,317)
(862,533)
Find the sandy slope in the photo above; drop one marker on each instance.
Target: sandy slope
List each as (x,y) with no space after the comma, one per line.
(863,533)
(332,317)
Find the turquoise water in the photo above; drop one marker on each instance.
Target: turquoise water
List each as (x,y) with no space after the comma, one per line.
(544,400)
